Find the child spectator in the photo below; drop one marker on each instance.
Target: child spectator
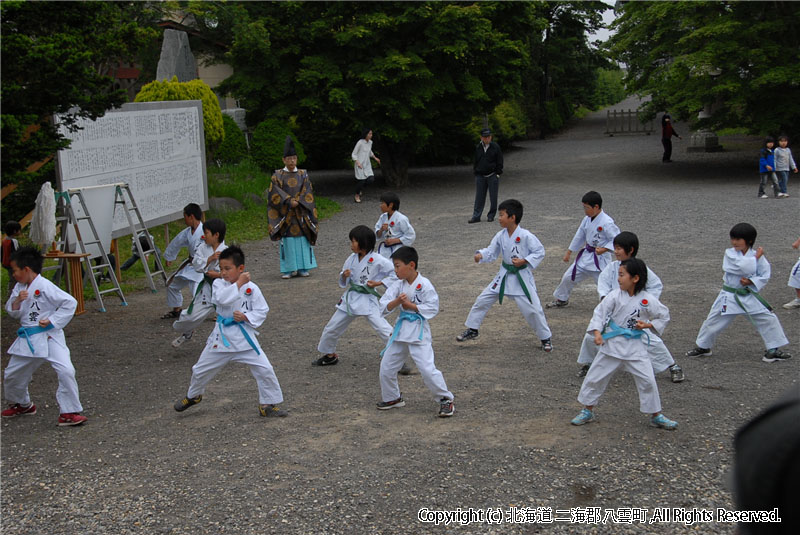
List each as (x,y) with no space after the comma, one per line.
(746,272)
(592,241)
(241,309)
(620,325)
(419,303)
(393,228)
(626,245)
(190,237)
(783,164)
(10,244)
(144,244)
(794,280)
(205,261)
(766,167)
(521,253)
(43,309)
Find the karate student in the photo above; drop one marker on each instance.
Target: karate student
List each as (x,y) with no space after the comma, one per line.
(393,228)
(794,281)
(190,237)
(626,245)
(593,242)
(241,309)
(521,253)
(746,272)
(43,310)
(418,302)
(620,326)
(205,261)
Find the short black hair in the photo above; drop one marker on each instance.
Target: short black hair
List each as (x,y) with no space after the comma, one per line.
(783,137)
(365,237)
(216,226)
(233,253)
(769,139)
(406,255)
(12,227)
(634,267)
(193,209)
(628,241)
(746,232)
(592,198)
(512,207)
(391,198)
(28,257)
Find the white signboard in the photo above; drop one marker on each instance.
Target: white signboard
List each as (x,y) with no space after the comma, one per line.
(157,148)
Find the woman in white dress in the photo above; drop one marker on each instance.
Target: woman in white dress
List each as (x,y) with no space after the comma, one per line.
(363,165)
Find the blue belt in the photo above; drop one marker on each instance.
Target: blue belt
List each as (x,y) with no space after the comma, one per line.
(227,322)
(405,316)
(612,330)
(27,332)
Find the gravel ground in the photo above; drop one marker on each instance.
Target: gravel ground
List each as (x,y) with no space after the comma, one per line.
(337,465)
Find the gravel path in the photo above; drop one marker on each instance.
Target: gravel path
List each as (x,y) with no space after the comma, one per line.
(337,465)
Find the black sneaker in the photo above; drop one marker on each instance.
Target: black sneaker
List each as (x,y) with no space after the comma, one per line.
(183,404)
(699,352)
(774,355)
(676,374)
(547,346)
(446,408)
(326,360)
(394,404)
(584,370)
(469,334)
(558,303)
(272,411)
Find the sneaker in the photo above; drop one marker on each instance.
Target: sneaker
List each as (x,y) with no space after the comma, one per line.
(272,411)
(69,418)
(794,303)
(763,196)
(406,369)
(583,417)
(547,346)
(699,352)
(18,410)
(584,370)
(185,337)
(774,355)
(183,404)
(663,422)
(558,303)
(288,275)
(676,374)
(783,194)
(304,273)
(394,404)
(446,408)
(474,220)
(326,360)
(469,334)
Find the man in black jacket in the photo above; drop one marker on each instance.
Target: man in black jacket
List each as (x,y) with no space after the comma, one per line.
(488,168)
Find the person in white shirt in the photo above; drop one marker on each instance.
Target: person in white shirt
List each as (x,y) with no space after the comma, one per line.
(190,237)
(362,165)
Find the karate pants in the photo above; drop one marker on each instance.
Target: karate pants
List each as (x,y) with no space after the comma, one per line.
(660,357)
(422,354)
(767,325)
(338,324)
(567,284)
(531,311)
(603,369)
(20,370)
(211,362)
(174,295)
(189,322)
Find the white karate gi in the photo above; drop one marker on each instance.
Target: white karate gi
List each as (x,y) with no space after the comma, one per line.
(521,244)
(399,227)
(660,356)
(407,342)
(794,275)
(373,267)
(45,301)
(201,301)
(187,276)
(249,300)
(597,232)
(725,308)
(628,353)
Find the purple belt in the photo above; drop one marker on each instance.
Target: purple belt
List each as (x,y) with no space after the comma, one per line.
(590,249)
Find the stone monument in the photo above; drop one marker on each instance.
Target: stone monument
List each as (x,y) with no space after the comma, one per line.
(176,58)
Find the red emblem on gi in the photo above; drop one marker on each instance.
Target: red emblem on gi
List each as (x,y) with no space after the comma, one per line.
(36,293)
(419,287)
(599,229)
(517,240)
(248,291)
(391,224)
(370,260)
(644,302)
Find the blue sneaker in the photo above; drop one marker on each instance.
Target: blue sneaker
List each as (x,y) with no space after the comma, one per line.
(663,422)
(583,417)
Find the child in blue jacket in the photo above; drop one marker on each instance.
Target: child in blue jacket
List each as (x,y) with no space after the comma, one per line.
(766,166)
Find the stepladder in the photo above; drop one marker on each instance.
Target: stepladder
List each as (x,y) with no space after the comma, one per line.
(124,198)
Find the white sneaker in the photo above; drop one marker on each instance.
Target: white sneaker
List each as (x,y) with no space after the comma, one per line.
(763,196)
(185,337)
(794,303)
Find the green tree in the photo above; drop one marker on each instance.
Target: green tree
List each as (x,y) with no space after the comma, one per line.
(233,148)
(743,58)
(267,145)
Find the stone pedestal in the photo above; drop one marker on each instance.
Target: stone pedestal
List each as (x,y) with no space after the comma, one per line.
(704,141)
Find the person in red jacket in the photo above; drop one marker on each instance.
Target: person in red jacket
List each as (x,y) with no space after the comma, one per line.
(666,137)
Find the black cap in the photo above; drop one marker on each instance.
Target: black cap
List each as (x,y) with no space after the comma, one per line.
(288,147)
(486,132)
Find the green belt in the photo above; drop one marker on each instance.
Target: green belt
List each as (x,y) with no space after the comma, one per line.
(358,288)
(746,291)
(206,279)
(510,268)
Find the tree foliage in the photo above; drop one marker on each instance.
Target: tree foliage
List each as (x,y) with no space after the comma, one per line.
(233,148)
(266,147)
(741,57)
